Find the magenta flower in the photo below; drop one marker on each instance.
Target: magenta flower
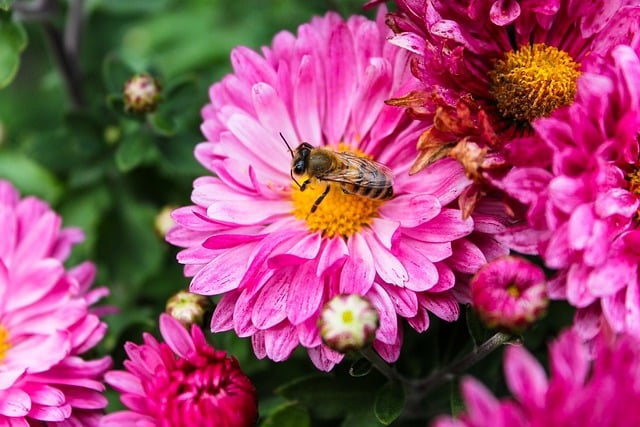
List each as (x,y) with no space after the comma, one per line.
(45,321)
(251,236)
(584,199)
(491,68)
(181,382)
(579,391)
(509,293)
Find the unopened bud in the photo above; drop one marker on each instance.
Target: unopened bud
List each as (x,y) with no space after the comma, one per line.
(187,308)
(141,94)
(509,293)
(163,221)
(348,323)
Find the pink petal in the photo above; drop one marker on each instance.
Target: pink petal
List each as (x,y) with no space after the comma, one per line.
(411,210)
(388,330)
(341,81)
(305,294)
(446,227)
(358,271)
(280,341)
(334,251)
(176,336)
(525,377)
(270,307)
(14,403)
(388,267)
(222,274)
(442,304)
(247,212)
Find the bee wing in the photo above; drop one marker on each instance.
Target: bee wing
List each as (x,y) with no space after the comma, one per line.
(361,171)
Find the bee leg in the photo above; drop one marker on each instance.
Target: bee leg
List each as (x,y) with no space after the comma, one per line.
(304,185)
(320,199)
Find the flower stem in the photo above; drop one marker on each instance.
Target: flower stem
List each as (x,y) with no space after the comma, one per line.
(64,48)
(370,354)
(423,386)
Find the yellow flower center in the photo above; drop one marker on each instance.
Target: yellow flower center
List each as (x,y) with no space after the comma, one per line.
(513,291)
(4,342)
(347,316)
(338,213)
(533,81)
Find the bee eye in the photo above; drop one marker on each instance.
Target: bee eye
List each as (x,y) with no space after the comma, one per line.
(298,169)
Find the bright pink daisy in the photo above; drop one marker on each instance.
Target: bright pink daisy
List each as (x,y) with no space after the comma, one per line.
(491,68)
(181,382)
(251,236)
(580,391)
(45,321)
(583,197)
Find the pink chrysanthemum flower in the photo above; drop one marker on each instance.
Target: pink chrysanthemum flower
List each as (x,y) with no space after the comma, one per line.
(45,321)
(584,196)
(580,391)
(251,235)
(509,293)
(181,382)
(490,68)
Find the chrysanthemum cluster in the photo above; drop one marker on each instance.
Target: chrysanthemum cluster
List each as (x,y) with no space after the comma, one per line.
(253,235)
(490,69)
(583,196)
(46,321)
(582,389)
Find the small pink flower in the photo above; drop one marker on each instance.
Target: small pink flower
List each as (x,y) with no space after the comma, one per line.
(46,321)
(580,390)
(181,382)
(509,293)
(251,237)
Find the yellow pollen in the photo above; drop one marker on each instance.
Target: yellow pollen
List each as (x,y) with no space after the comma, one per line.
(347,316)
(533,81)
(339,214)
(4,342)
(513,291)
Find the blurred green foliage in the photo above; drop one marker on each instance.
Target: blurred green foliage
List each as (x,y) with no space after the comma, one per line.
(111,173)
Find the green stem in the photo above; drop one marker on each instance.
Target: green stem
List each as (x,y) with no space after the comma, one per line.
(423,386)
(370,354)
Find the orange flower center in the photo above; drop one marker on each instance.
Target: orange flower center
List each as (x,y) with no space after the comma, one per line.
(533,81)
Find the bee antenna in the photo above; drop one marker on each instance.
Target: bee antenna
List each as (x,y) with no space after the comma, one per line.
(288,146)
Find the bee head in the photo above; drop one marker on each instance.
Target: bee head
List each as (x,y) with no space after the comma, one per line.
(300,162)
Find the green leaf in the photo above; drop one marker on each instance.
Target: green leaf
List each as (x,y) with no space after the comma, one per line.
(129,245)
(30,177)
(5,4)
(161,124)
(361,418)
(289,415)
(86,209)
(329,396)
(134,150)
(389,402)
(115,73)
(13,40)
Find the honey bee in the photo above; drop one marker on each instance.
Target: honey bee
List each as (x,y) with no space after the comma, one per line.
(356,175)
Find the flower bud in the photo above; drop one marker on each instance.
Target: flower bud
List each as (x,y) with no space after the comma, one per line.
(141,94)
(163,221)
(509,293)
(348,322)
(187,308)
